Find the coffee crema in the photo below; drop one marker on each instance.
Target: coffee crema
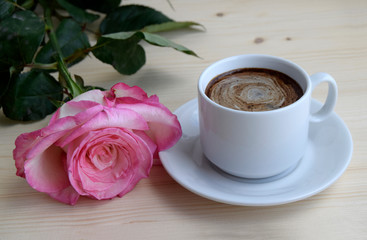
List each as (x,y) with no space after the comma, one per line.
(253,89)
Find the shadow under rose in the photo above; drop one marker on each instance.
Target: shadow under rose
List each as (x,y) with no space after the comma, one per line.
(7,122)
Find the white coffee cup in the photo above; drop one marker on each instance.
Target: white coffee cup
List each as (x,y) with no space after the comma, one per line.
(259,144)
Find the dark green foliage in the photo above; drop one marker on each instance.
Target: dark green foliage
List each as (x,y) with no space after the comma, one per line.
(33,45)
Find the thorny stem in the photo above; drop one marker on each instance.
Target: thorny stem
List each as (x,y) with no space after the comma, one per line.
(73,88)
(49,66)
(17,5)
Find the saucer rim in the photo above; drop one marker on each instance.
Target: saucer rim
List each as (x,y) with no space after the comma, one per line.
(317,189)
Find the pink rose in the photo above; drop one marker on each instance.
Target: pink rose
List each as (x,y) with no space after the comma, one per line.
(99,145)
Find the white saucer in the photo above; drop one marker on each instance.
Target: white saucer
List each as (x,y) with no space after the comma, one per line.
(328,154)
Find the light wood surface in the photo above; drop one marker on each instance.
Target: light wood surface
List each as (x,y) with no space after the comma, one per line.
(329,36)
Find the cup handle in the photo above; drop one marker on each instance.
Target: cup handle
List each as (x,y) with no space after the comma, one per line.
(330,102)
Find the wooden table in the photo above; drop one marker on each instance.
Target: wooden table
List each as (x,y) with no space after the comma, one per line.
(329,36)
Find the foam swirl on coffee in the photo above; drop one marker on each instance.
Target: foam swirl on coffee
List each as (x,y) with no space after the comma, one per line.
(253,89)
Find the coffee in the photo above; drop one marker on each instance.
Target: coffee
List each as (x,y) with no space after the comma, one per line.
(253,89)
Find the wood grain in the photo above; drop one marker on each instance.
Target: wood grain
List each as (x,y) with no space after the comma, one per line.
(329,36)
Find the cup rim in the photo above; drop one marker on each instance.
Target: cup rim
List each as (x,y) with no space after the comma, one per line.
(307,91)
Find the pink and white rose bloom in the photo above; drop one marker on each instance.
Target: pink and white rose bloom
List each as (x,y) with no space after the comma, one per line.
(99,145)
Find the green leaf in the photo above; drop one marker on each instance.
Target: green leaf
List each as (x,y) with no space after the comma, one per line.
(123,52)
(164,42)
(28,96)
(104,6)
(151,38)
(131,18)
(88,88)
(28,4)
(4,78)
(72,41)
(80,15)
(6,8)
(123,35)
(126,56)
(79,80)
(20,36)
(169,26)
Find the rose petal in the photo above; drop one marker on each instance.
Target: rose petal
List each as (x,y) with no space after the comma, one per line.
(92,95)
(72,108)
(46,172)
(67,195)
(23,144)
(120,90)
(28,145)
(150,143)
(78,104)
(110,117)
(82,128)
(164,128)
(134,163)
